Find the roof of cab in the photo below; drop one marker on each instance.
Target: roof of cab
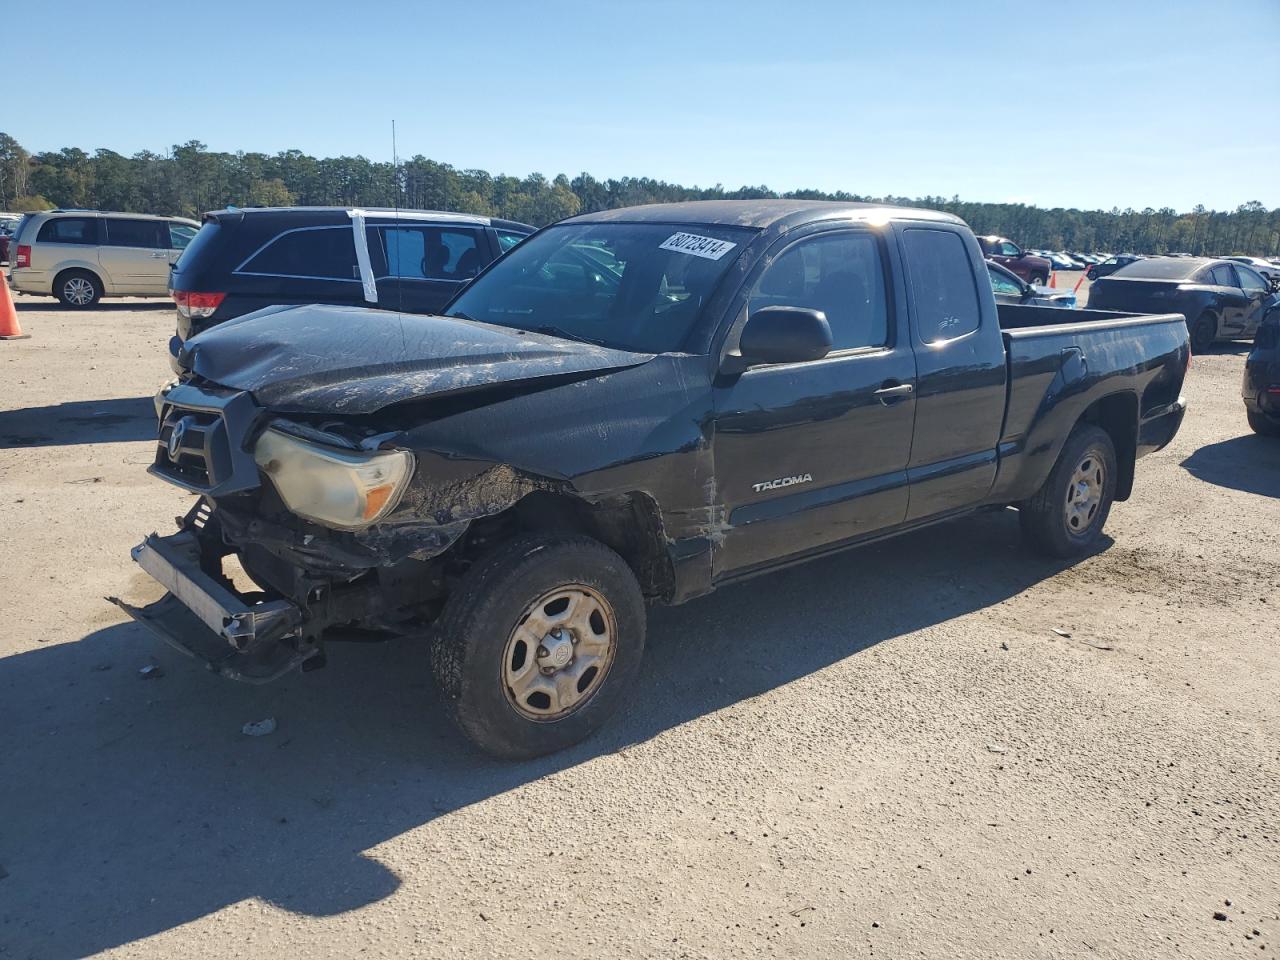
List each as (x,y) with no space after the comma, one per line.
(761,214)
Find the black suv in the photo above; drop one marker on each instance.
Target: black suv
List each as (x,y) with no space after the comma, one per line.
(412,260)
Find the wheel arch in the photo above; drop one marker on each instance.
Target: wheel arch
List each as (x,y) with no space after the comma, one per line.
(630,524)
(1117,414)
(76,266)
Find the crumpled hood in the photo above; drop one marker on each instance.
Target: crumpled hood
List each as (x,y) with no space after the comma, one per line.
(354,360)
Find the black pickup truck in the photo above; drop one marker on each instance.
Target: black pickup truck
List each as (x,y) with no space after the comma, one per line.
(634,405)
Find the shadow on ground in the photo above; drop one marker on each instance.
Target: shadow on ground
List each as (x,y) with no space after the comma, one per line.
(131,806)
(80,421)
(1249,463)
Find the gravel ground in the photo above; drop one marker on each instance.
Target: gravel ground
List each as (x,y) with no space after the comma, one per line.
(941,746)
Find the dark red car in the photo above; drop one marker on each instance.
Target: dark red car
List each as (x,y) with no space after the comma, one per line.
(1009,255)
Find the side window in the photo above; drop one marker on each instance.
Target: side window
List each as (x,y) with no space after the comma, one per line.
(1003,285)
(152,234)
(180,234)
(69,230)
(507,239)
(1008,249)
(432,253)
(1222,276)
(942,284)
(839,274)
(324,253)
(1251,282)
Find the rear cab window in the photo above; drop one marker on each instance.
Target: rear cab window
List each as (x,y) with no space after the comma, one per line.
(206,238)
(944,292)
(309,253)
(83,230)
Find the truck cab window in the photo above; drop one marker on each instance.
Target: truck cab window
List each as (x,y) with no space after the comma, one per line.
(839,274)
(942,288)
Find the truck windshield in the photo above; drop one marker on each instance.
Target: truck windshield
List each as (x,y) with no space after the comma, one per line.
(631,286)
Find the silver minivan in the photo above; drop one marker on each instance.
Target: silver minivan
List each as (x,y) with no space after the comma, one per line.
(81,256)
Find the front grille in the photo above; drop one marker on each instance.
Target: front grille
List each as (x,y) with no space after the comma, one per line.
(203,439)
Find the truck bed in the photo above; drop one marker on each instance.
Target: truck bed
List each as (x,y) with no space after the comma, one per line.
(1095,354)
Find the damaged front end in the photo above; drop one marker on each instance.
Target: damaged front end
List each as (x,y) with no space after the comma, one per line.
(304,581)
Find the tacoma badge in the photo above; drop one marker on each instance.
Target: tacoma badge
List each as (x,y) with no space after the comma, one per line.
(782,482)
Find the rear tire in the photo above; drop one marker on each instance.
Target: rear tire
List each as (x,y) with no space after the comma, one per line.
(1262,426)
(520,681)
(77,289)
(1204,332)
(1065,518)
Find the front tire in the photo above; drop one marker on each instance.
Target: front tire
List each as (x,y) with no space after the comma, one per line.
(1204,332)
(1262,426)
(539,644)
(1065,518)
(77,289)
(1038,279)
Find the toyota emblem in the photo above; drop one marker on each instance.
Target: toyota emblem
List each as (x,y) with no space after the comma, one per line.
(175,438)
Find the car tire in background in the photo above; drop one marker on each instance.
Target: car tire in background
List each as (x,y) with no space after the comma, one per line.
(1065,518)
(1038,279)
(538,644)
(1204,332)
(77,289)
(1262,426)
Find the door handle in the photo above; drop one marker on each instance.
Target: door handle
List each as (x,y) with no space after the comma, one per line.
(160,256)
(892,393)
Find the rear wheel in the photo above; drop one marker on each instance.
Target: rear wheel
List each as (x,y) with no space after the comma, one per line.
(1065,518)
(538,644)
(77,289)
(1262,426)
(1203,332)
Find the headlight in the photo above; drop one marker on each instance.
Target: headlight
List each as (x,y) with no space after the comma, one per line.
(337,488)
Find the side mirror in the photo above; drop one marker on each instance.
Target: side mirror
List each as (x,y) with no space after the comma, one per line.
(781,335)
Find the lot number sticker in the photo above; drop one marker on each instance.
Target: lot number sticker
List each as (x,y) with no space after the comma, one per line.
(709,248)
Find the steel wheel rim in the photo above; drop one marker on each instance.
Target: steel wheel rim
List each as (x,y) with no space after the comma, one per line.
(1084,494)
(559,653)
(78,290)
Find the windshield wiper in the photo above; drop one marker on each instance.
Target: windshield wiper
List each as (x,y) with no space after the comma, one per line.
(553,331)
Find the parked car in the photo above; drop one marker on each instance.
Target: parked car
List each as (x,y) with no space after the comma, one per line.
(1270,271)
(1220,300)
(1008,287)
(1261,389)
(81,256)
(246,259)
(1111,265)
(1008,254)
(515,478)
(7,226)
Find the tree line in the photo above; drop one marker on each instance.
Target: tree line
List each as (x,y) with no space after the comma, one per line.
(190,179)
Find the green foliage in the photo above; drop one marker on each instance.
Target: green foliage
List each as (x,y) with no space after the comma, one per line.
(191,179)
(26,204)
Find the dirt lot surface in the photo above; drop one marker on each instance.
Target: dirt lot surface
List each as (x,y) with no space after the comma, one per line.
(941,746)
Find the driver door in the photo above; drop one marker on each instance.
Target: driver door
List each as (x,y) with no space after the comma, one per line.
(1260,296)
(809,454)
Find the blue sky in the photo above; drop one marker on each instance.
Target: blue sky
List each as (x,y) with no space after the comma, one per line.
(1079,103)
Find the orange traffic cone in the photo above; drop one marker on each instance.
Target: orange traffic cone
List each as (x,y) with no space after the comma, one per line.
(1053,279)
(10,329)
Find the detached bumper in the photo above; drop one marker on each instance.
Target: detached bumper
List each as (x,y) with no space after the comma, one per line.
(233,635)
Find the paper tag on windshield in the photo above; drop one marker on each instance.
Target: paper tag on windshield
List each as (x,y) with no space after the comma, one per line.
(709,248)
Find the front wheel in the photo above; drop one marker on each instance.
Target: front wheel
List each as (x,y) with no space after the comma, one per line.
(1038,279)
(1065,518)
(539,644)
(1262,426)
